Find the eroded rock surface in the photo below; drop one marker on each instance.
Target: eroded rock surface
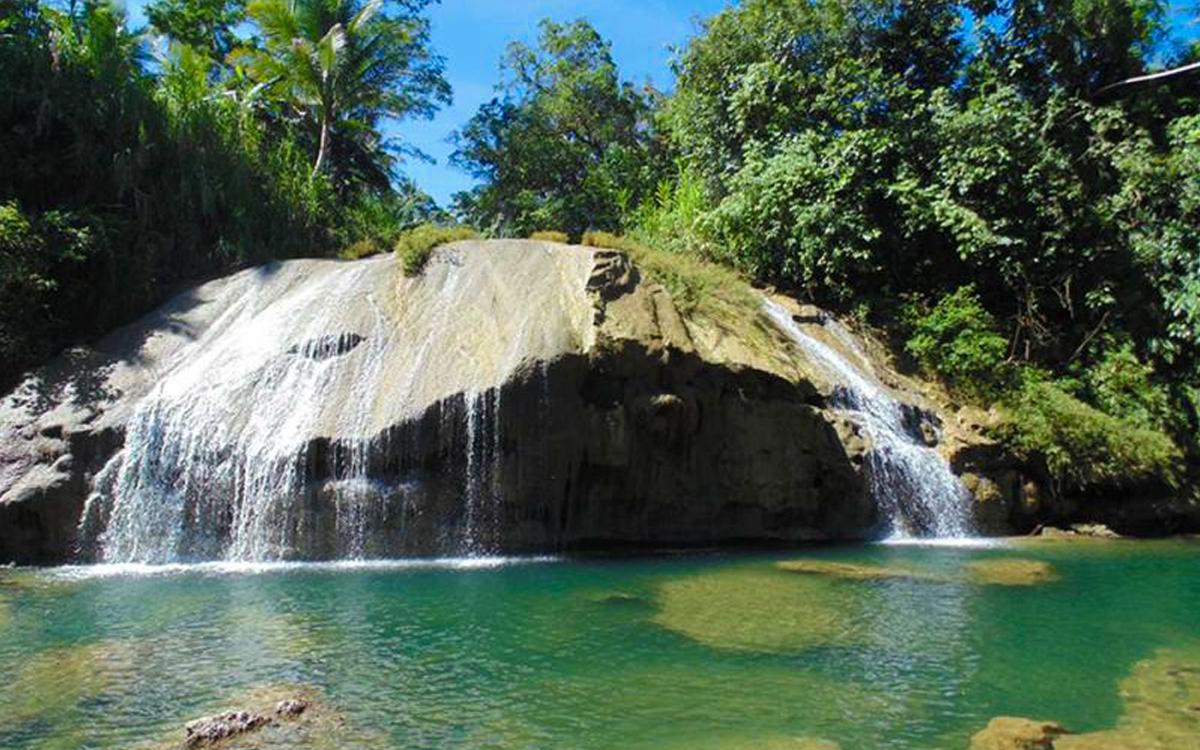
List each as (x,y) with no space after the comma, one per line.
(517,396)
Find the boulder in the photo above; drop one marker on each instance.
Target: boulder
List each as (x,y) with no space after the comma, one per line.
(515,397)
(1014,733)
(213,729)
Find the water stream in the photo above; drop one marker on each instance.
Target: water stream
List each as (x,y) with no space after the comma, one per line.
(916,490)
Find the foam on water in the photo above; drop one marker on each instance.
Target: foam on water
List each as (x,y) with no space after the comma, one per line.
(218,568)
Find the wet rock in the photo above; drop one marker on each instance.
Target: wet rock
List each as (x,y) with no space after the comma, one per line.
(849,571)
(291,707)
(1011,572)
(607,414)
(1053,532)
(1096,530)
(1014,733)
(810,315)
(212,729)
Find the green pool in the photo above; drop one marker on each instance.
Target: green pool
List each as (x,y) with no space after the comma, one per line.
(909,647)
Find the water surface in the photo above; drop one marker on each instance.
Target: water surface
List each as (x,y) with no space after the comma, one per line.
(687,651)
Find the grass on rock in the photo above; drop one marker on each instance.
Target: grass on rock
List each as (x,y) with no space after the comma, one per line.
(414,247)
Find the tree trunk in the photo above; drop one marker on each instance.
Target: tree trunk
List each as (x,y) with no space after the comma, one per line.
(321,148)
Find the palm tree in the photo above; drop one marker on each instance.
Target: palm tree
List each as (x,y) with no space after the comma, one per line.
(340,67)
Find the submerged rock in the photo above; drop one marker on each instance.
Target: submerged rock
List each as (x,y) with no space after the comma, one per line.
(757,610)
(50,685)
(1162,712)
(1014,733)
(779,742)
(1011,572)
(851,571)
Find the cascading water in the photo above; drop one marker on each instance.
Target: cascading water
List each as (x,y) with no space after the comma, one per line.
(913,485)
(323,410)
(217,456)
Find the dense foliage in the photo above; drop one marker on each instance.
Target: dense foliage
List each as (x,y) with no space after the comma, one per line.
(564,146)
(125,175)
(975,179)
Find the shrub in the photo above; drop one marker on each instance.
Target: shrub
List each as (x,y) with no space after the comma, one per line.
(1121,385)
(957,340)
(700,289)
(414,247)
(360,249)
(1083,447)
(550,236)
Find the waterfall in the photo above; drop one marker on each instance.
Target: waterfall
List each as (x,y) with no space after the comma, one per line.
(320,410)
(217,456)
(916,490)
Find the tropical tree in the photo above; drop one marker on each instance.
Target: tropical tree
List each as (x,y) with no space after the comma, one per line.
(566,145)
(203,24)
(339,68)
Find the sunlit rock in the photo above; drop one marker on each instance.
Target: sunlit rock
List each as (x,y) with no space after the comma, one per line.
(1015,733)
(272,717)
(852,571)
(757,610)
(1011,572)
(515,396)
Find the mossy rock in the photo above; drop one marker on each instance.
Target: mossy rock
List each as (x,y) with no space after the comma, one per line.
(852,571)
(51,684)
(1011,572)
(1162,712)
(757,610)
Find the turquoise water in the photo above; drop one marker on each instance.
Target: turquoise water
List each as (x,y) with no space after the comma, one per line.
(672,651)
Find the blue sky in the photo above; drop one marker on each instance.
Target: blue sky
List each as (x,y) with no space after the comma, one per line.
(472,35)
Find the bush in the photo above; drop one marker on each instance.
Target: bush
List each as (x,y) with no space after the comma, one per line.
(1084,448)
(957,341)
(414,247)
(550,236)
(360,249)
(1121,385)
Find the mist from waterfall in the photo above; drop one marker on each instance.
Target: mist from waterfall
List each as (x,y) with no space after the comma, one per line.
(913,485)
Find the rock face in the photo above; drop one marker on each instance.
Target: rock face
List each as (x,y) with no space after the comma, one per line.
(518,396)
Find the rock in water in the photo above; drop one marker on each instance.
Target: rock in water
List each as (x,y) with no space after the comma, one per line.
(517,396)
(1011,572)
(212,729)
(1013,733)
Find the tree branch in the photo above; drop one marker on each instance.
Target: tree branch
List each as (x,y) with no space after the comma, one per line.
(1159,76)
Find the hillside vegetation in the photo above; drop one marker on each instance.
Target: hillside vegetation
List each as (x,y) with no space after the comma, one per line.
(997,189)
(971,179)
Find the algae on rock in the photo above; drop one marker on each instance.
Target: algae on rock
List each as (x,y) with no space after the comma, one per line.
(756,610)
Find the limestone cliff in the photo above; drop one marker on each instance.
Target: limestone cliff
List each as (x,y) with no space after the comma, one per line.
(516,396)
